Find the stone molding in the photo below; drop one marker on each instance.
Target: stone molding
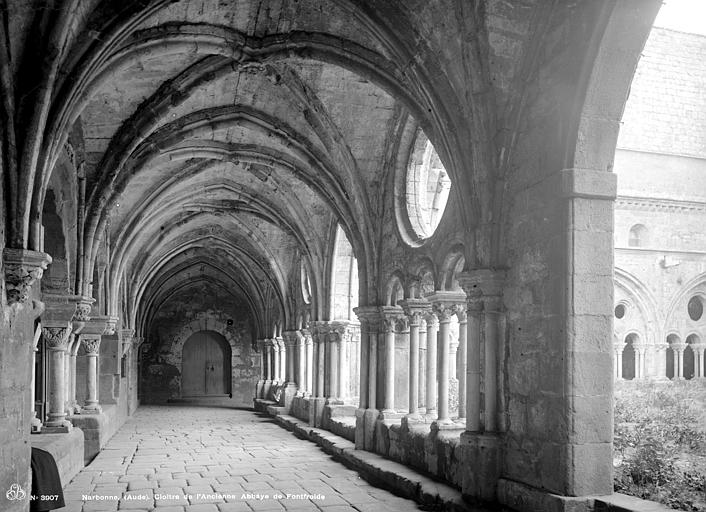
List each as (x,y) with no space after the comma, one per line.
(657,204)
(22,269)
(56,338)
(484,289)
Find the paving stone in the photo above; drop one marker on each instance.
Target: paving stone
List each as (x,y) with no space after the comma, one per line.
(239,460)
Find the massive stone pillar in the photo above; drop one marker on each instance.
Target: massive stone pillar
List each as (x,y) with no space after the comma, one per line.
(18,311)
(414,309)
(430,387)
(481,441)
(91,345)
(56,340)
(367,413)
(661,364)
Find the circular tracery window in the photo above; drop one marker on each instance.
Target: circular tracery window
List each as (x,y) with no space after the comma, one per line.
(427,187)
(695,308)
(619,311)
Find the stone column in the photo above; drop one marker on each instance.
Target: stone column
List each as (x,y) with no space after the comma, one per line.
(679,360)
(461,361)
(432,335)
(269,370)
(91,344)
(331,375)
(35,423)
(414,309)
(390,316)
(289,345)
(74,344)
(261,381)
(301,367)
(56,340)
(481,442)
(618,347)
(699,369)
(639,349)
(309,344)
(282,375)
(342,340)
(422,380)
(277,362)
(444,313)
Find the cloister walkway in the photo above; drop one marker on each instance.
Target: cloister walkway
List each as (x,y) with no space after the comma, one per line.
(211,459)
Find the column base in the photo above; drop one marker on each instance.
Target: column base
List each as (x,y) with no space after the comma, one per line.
(35,425)
(316,411)
(64,428)
(413,417)
(437,426)
(390,414)
(91,409)
(482,457)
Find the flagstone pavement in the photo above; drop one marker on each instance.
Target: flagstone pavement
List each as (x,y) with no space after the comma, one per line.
(210,459)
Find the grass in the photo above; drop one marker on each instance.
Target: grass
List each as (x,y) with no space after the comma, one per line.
(660,442)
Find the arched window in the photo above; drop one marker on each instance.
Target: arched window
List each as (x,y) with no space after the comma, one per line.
(638,236)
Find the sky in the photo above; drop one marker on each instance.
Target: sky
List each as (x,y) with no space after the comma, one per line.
(683,15)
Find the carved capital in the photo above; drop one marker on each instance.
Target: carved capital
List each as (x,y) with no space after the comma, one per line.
(444,311)
(56,338)
(485,285)
(91,344)
(22,269)
(83,311)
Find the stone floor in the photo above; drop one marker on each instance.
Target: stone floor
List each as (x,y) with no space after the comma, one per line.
(210,459)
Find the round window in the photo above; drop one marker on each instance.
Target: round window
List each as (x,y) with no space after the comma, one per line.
(427,187)
(619,311)
(695,308)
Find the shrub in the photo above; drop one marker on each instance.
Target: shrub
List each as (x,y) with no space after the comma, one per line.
(660,442)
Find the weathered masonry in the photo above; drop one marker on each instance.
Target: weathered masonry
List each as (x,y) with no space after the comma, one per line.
(390,219)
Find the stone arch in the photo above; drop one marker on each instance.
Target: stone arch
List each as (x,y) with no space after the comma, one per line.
(629,355)
(394,289)
(690,358)
(677,310)
(452,264)
(204,323)
(640,305)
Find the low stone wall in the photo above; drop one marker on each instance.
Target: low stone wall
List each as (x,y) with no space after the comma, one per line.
(437,453)
(98,429)
(67,450)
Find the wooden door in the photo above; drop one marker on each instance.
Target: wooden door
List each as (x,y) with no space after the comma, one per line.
(205,365)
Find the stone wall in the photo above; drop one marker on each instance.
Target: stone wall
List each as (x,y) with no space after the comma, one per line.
(186,314)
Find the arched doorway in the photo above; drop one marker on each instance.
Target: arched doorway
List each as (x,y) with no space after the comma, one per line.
(205,365)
